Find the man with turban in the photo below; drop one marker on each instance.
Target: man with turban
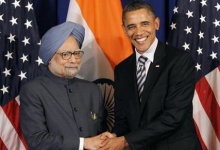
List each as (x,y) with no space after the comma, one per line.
(59,110)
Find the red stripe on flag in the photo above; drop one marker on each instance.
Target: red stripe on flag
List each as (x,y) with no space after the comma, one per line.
(209,104)
(2,145)
(12,112)
(200,137)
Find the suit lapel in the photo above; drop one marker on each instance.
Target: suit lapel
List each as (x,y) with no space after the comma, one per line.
(133,83)
(153,73)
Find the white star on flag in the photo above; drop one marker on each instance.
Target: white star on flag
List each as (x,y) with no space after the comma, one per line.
(16,4)
(26,41)
(4,89)
(28,24)
(24,58)
(29,6)
(22,75)
(7,72)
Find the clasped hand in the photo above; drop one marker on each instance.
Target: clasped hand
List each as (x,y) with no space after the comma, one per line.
(105,141)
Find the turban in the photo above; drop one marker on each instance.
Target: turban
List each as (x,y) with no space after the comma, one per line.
(56,36)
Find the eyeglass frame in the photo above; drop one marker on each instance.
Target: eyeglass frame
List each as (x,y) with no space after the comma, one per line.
(71,53)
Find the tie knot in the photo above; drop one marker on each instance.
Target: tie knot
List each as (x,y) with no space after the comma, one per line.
(142,60)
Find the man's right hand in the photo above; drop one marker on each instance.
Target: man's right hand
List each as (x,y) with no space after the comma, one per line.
(93,143)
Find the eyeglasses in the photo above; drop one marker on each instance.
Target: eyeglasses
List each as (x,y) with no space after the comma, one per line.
(67,55)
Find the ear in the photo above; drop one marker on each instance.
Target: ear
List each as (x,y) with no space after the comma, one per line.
(157,23)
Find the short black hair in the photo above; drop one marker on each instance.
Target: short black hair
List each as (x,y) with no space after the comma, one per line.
(136,5)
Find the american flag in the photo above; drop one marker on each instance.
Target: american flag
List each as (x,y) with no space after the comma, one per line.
(19,44)
(195,27)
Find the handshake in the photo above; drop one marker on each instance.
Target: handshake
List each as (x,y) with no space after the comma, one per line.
(105,141)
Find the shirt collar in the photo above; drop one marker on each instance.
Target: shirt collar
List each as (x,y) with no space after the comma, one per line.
(148,53)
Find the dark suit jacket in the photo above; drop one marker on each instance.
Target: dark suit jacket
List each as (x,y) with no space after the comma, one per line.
(55,112)
(163,120)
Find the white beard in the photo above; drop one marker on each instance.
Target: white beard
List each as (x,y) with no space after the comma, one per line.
(67,72)
(71,73)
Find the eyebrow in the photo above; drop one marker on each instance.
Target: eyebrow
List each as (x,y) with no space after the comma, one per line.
(70,50)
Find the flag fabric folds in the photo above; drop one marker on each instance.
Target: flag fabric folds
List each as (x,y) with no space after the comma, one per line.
(195,27)
(19,64)
(105,44)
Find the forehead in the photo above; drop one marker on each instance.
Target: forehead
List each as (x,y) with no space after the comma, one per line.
(141,14)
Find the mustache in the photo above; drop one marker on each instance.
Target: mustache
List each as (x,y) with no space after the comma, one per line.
(72,66)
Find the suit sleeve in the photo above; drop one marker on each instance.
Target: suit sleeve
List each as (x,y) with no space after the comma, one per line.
(121,125)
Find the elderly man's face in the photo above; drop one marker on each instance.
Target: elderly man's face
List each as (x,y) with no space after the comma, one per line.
(65,68)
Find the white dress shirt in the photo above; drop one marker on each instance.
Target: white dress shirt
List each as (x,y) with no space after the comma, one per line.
(149,54)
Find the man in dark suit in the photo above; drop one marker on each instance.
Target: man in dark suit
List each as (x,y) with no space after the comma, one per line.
(58,110)
(154,88)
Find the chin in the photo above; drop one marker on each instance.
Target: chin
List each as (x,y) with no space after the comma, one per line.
(141,51)
(143,48)
(71,73)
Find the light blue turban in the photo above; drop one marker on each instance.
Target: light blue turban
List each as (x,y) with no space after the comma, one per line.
(56,36)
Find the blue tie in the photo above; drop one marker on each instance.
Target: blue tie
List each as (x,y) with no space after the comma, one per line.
(141,74)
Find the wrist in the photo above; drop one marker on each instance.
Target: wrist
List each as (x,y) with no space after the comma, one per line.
(86,143)
(124,141)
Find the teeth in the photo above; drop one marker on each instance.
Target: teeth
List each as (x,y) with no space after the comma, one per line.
(140,40)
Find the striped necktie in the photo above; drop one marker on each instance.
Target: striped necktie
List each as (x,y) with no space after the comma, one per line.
(141,74)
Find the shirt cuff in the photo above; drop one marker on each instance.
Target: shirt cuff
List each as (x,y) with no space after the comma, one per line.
(81,143)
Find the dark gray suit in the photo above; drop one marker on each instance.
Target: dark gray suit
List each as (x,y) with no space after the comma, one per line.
(163,120)
(55,112)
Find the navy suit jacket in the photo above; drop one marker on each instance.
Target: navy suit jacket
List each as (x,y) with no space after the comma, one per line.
(163,120)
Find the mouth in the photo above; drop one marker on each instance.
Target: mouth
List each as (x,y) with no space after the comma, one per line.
(141,40)
(72,67)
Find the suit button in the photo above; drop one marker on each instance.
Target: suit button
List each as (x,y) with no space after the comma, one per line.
(70,90)
(75,109)
(80,129)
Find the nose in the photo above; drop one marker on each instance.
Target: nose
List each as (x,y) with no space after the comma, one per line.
(72,58)
(139,31)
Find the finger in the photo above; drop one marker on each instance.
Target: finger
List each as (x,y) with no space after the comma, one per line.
(106,135)
(103,143)
(104,147)
(103,137)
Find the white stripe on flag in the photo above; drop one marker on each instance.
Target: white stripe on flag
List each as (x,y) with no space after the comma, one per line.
(17,100)
(213,79)
(204,125)
(95,65)
(8,134)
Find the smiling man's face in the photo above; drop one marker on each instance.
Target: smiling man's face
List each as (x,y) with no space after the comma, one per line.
(141,26)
